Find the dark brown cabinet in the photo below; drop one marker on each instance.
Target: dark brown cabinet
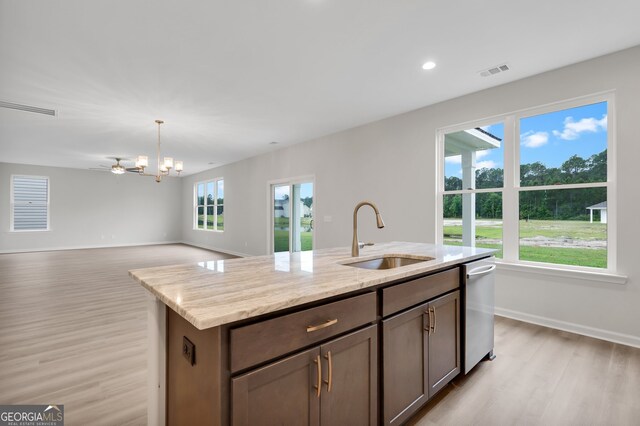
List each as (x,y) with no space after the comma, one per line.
(444,341)
(421,354)
(331,384)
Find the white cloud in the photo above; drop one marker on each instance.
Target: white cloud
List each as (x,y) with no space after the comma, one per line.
(489,164)
(572,129)
(455,159)
(534,140)
(481,154)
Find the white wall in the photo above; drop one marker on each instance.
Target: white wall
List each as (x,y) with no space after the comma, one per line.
(95,209)
(392,162)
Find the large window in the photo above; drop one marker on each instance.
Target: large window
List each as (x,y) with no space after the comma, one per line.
(536,185)
(209,205)
(29,203)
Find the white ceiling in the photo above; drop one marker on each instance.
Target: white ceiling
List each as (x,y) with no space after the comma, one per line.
(230,76)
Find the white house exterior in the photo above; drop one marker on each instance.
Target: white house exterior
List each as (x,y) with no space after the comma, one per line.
(603,211)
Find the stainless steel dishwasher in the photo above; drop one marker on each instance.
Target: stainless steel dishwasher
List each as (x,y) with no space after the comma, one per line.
(479,306)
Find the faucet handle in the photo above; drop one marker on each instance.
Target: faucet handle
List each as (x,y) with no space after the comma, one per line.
(361,244)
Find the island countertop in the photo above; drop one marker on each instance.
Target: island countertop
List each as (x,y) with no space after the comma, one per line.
(217,292)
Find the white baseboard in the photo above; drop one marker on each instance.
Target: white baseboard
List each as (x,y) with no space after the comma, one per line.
(225,251)
(156,243)
(598,333)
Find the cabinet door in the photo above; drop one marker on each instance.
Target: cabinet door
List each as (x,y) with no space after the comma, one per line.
(444,341)
(405,364)
(282,393)
(350,386)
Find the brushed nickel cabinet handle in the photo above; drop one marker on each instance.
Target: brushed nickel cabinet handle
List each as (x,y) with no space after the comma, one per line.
(318,387)
(330,375)
(326,324)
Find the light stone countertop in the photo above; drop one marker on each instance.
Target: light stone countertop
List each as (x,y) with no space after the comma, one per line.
(212,293)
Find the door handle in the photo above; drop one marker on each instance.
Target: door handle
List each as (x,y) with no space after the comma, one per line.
(428,327)
(480,270)
(435,320)
(432,321)
(330,373)
(318,387)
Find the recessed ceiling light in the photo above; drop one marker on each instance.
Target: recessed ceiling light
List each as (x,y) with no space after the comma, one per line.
(428,65)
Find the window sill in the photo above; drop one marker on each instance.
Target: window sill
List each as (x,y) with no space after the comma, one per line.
(209,230)
(563,272)
(19,231)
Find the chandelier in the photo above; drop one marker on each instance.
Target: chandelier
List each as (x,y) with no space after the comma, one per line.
(164,166)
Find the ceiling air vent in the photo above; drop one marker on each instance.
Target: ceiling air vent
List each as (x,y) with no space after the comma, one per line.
(494,70)
(27,108)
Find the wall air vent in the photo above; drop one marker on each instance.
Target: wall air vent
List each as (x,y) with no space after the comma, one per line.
(27,108)
(494,70)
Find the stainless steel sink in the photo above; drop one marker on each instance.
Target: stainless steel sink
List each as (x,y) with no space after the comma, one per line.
(389,262)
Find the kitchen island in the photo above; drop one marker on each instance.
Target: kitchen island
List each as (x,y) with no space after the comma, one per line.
(233,341)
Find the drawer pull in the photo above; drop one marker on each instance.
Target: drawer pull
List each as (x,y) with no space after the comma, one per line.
(326,324)
(318,387)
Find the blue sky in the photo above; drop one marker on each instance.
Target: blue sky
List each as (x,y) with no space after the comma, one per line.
(549,138)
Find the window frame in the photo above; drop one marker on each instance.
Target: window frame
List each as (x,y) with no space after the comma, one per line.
(511,188)
(215,204)
(12,203)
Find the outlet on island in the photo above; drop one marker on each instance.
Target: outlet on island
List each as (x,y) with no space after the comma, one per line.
(188,350)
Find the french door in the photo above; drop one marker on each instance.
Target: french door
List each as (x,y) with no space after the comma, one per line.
(292,216)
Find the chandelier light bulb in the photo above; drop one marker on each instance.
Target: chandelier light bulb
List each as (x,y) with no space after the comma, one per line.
(142,161)
(168,162)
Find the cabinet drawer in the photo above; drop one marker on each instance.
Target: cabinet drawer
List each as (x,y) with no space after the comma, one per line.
(262,341)
(411,293)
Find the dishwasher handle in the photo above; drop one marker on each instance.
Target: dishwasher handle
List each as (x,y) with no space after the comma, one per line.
(481,270)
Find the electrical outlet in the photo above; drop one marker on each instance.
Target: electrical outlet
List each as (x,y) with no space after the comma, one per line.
(188,350)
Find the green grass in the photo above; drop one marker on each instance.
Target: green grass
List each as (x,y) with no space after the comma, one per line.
(576,230)
(210,222)
(281,236)
(284,221)
(281,240)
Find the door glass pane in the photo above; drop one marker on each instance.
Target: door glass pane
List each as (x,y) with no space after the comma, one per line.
(474,158)
(482,229)
(564,147)
(303,217)
(565,226)
(281,211)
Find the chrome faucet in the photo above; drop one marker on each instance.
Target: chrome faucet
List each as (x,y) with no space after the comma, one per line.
(357,245)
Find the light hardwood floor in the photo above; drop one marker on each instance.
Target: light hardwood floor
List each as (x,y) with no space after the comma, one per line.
(73,331)
(545,377)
